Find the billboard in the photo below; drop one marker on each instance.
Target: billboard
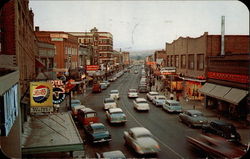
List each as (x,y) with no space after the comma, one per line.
(41,94)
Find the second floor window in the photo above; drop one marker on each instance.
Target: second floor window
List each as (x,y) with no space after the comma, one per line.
(191,61)
(200,61)
(183,61)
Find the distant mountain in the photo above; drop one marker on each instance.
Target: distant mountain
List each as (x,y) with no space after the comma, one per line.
(141,54)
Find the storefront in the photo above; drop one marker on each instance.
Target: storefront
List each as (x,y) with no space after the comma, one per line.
(226,100)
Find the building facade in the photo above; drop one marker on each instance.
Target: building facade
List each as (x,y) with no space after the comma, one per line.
(126,58)
(66,54)
(101,42)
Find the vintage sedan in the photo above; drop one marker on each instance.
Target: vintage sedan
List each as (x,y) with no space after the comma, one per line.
(222,128)
(217,147)
(151,95)
(116,115)
(114,94)
(109,103)
(97,132)
(117,154)
(141,104)
(75,110)
(193,118)
(132,93)
(159,100)
(172,106)
(141,140)
(103,85)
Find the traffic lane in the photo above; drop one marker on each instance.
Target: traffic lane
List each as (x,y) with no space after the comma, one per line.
(166,127)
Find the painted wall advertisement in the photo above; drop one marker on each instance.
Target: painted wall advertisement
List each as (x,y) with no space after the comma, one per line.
(41,97)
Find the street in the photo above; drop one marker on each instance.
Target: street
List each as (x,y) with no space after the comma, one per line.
(166,128)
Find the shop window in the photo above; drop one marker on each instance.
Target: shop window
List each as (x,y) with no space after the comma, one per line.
(191,62)
(200,62)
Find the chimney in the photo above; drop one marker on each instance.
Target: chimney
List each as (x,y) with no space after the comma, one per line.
(222,52)
(37,28)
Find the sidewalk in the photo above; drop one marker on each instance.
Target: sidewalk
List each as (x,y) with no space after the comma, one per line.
(242,127)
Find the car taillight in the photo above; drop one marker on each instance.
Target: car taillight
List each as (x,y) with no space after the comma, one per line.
(157,146)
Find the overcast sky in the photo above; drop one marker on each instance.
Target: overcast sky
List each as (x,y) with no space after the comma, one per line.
(142,25)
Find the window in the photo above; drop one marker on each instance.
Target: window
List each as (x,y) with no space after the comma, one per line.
(191,61)
(183,61)
(177,61)
(172,60)
(200,61)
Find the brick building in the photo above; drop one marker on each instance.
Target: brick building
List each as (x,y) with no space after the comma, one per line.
(101,42)
(66,54)
(126,58)
(17,51)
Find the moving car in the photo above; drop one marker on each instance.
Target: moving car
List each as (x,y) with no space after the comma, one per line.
(159,100)
(132,93)
(141,140)
(172,106)
(116,115)
(109,103)
(117,154)
(193,118)
(112,79)
(222,128)
(103,85)
(87,116)
(143,88)
(216,146)
(97,132)
(141,104)
(114,94)
(151,95)
(107,83)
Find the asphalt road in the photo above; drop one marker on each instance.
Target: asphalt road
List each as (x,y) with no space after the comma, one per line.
(166,128)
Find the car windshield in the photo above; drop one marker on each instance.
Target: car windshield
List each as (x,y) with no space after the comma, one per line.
(142,102)
(114,92)
(89,115)
(117,113)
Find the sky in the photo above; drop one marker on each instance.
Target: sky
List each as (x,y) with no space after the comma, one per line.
(142,25)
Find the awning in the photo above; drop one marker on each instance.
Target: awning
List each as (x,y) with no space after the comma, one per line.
(51,133)
(228,94)
(219,92)
(206,88)
(235,95)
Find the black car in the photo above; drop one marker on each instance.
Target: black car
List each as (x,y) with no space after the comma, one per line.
(222,128)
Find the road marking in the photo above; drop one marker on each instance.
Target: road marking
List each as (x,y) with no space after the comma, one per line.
(154,135)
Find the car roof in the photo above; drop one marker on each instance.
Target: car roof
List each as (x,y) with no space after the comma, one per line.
(221,122)
(96,125)
(160,96)
(172,101)
(153,92)
(87,110)
(113,154)
(114,90)
(137,131)
(140,99)
(109,99)
(113,110)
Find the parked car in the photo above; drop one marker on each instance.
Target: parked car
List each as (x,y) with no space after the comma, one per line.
(107,83)
(132,93)
(96,88)
(172,106)
(159,100)
(109,103)
(112,79)
(222,128)
(217,147)
(141,104)
(87,116)
(75,109)
(97,132)
(151,95)
(141,140)
(75,102)
(117,154)
(143,88)
(116,115)
(193,118)
(103,85)
(114,94)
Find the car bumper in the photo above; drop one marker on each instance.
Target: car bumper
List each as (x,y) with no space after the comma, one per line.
(102,140)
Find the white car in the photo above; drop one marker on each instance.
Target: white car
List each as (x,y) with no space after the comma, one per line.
(159,100)
(141,140)
(151,95)
(116,115)
(132,93)
(114,94)
(109,103)
(141,104)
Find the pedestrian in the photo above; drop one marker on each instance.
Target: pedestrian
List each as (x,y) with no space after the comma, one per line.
(171,96)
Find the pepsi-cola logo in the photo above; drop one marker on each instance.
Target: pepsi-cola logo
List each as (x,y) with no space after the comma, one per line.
(41,94)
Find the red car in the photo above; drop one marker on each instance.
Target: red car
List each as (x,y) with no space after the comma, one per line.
(87,116)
